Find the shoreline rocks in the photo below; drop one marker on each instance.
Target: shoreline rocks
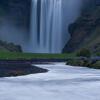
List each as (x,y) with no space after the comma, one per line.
(91,63)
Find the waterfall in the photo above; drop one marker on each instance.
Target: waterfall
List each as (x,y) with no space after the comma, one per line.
(49,24)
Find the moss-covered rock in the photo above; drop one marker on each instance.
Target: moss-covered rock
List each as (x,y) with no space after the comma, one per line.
(75,62)
(4,46)
(84,53)
(84,63)
(96,65)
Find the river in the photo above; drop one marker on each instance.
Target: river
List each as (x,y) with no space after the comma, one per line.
(62,82)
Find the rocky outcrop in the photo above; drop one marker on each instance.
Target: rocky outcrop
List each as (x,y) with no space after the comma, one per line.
(85,32)
(4,46)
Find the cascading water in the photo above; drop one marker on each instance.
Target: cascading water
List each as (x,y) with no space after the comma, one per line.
(49,24)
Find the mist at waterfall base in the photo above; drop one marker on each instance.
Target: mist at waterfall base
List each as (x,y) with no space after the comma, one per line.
(49,26)
(12,34)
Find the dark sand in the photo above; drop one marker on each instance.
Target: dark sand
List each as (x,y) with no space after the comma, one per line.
(8,69)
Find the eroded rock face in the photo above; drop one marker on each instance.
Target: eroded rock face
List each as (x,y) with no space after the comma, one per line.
(85,32)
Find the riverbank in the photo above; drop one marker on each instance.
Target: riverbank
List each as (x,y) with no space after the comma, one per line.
(93,62)
(61,82)
(18,68)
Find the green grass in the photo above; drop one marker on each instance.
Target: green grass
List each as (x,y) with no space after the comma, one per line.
(12,55)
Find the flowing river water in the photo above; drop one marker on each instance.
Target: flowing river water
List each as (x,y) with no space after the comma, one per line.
(62,82)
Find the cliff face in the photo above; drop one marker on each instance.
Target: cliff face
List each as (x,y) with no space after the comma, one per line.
(85,32)
(17,11)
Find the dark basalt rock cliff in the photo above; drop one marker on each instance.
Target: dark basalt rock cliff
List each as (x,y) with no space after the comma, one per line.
(85,32)
(17,11)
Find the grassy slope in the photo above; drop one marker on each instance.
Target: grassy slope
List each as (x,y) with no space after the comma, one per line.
(94,38)
(10,55)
